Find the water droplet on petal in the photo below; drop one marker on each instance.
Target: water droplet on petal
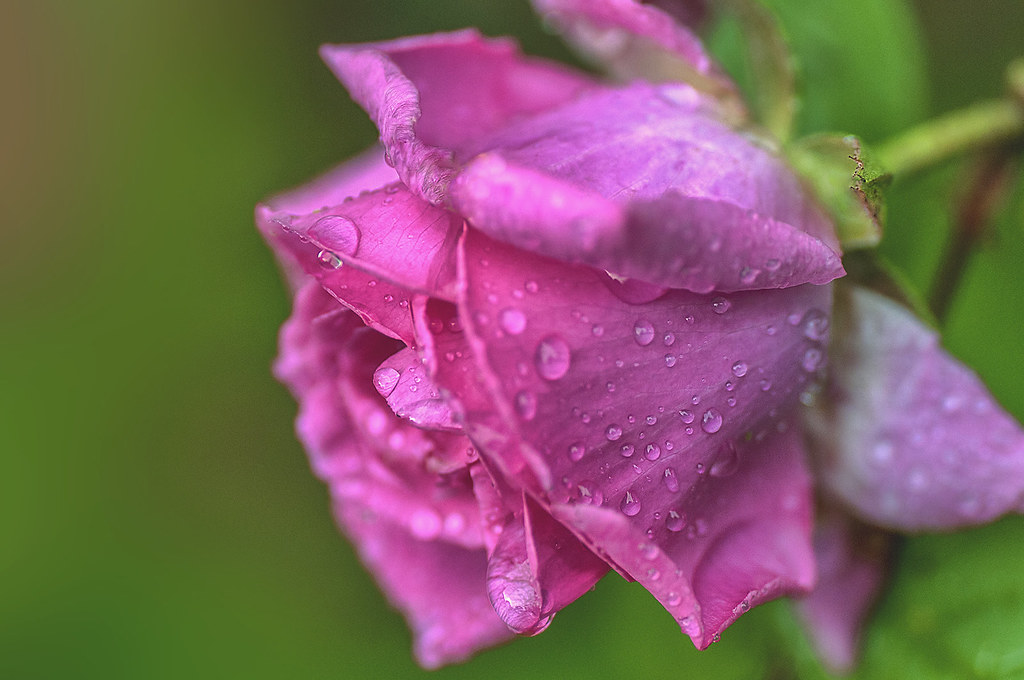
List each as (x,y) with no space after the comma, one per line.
(766,384)
(711,421)
(512,320)
(626,450)
(597,331)
(576,451)
(531,286)
(336,233)
(720,305)
(328,260)
(674,522)
(526,405)
(669,339)
(739,369)
(643,332)
(670,360)
(772,265)
(385,379)
(630,505)
(812,359)
(815,325)
(552,358)
(425,524)
(613,432)
(687,416)
(671,481)
(652,452)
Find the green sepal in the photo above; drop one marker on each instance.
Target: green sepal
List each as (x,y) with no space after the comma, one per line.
(848,183)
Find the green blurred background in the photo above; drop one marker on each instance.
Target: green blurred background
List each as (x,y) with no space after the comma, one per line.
(157,517)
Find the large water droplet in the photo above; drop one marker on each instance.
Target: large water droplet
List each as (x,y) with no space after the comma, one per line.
(385,379)
(652,452)
(613,432)
(526,405)
(626,450)
(720,305)
(336,233)
(630,505)
(328,260)
(671,481)
(552,358)
(643,332)
(739,369)
(674,522)
(512,321)
(711,421)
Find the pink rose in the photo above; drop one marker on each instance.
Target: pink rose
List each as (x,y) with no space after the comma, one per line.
(555,326)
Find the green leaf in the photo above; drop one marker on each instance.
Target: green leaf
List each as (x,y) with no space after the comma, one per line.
(842,174)
(860,65)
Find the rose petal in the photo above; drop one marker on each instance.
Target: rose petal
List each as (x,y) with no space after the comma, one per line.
(431,95)
(638,407)
(382,305)
(637,40)
(410,392)
(438,586)
(536,567)
(851,559)
(717,548)
(388,233)
(395,511)
(648,182)
(909,438)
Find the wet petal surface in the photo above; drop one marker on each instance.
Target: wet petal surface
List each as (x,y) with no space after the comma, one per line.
(615,176)
(628,418)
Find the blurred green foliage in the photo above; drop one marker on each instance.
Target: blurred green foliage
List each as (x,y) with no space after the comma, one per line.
(157,517)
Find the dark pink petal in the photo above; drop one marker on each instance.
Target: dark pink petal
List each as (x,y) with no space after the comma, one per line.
(418,532)
(909,438)
(637,40)
(410,392)
(851,560)
(647,182)
(432,95)
(645,410)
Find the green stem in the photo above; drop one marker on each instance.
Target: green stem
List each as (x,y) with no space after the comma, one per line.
(981,126)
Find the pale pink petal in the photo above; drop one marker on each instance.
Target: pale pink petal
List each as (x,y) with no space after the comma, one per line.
(365,172)
(637,40)
(851,560)
(908,437)
(432,95)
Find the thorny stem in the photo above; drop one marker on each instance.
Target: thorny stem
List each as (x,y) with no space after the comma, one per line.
(988,182)
(983,125)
